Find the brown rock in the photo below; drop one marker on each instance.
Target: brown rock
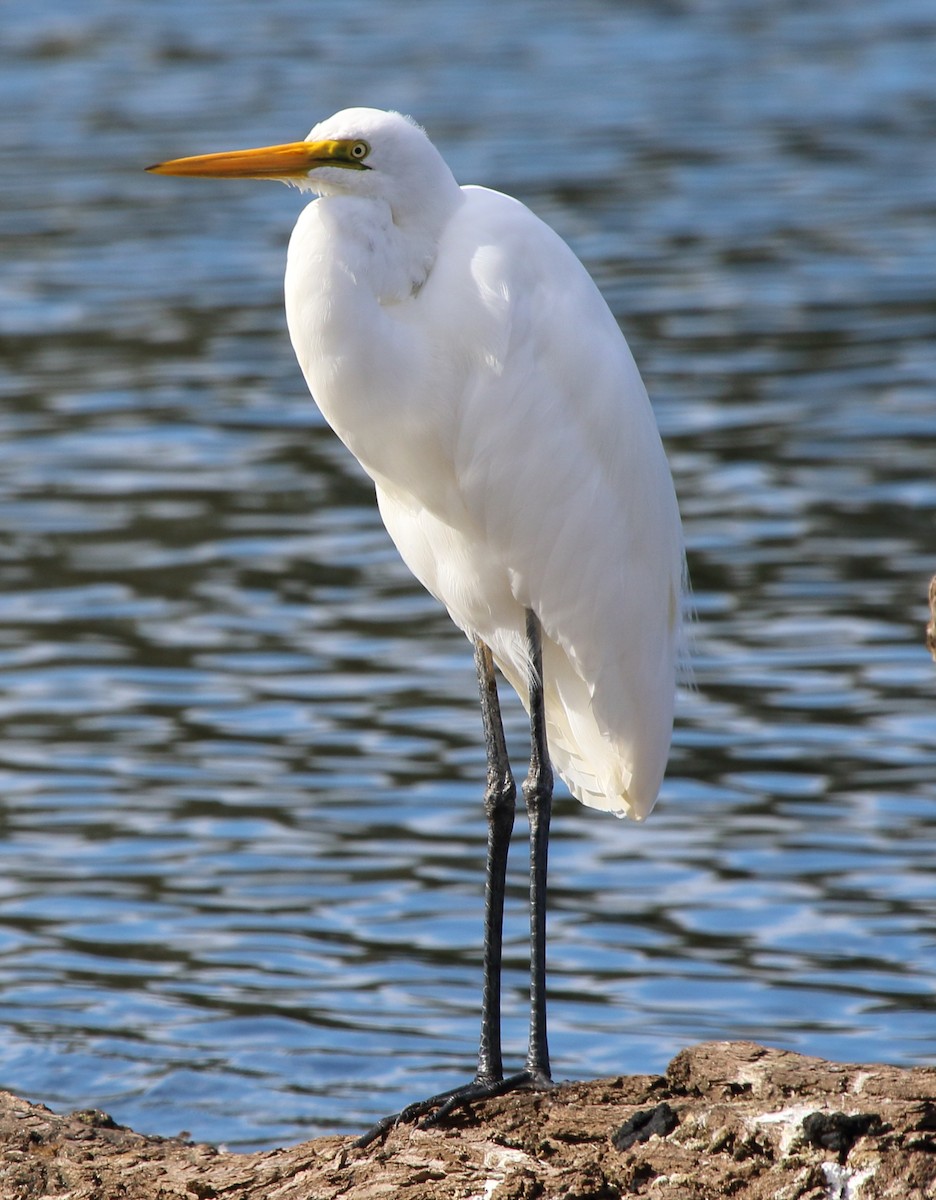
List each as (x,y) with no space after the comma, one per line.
(729,1119)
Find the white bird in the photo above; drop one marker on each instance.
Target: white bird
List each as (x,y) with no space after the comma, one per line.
(468,361)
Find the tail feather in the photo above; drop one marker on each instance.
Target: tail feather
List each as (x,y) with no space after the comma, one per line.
(598,768)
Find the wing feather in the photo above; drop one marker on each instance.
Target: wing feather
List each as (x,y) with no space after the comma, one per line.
(562,499)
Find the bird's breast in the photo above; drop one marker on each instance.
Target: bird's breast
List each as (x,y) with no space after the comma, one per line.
(391,377)
(372,373)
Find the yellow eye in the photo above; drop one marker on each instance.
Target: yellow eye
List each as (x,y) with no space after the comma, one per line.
(360,150)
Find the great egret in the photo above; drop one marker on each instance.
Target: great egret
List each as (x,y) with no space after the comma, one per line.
(466,358)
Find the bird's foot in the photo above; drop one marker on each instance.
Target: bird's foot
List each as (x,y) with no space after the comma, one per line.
(429,1112)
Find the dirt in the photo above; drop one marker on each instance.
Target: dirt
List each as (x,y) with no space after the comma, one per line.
(727,1119)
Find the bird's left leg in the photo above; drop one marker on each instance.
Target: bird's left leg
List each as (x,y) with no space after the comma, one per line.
(537,791)
(499,805)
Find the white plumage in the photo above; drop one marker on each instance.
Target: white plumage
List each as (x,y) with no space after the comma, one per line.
(465,357)
(463,354)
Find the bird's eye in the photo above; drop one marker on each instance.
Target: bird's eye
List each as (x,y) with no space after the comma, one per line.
(360,150)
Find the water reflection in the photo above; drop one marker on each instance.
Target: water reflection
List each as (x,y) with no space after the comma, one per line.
(240,764)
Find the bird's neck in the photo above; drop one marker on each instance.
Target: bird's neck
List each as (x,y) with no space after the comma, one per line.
(385,253)
(353,278)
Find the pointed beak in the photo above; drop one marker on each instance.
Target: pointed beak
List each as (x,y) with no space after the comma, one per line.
(293,160)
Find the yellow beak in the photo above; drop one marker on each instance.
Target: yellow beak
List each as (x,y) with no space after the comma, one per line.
(293,160)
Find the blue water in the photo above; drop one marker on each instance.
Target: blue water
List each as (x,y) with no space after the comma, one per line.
(240,760)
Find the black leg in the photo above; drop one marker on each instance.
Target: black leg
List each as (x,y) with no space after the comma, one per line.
(537,790)
(499,804)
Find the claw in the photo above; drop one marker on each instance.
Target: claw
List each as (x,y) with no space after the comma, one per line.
(437,1108)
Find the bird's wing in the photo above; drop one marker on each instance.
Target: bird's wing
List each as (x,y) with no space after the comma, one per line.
(559,464)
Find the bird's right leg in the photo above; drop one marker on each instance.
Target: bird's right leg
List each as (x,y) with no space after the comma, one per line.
(500,797)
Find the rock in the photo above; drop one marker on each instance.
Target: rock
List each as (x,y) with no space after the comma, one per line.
(642,1126)
(729,1119)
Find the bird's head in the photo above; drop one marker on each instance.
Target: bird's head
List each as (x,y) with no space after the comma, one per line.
(359,151)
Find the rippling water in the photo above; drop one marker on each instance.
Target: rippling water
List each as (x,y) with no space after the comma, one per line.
(240,759)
